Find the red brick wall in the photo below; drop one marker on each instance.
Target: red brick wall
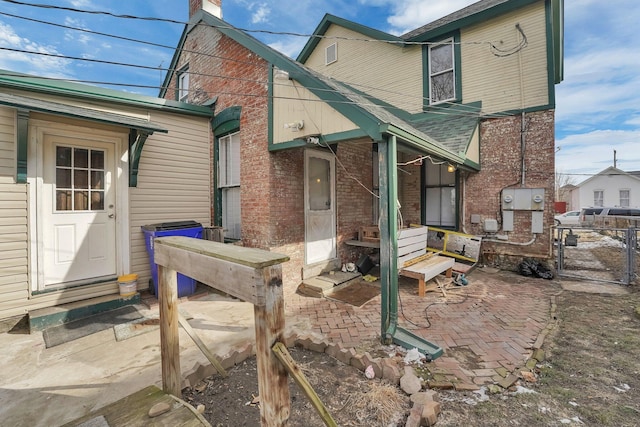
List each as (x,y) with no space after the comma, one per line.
(354,201)
(225,69)
(501,162)
(409,189)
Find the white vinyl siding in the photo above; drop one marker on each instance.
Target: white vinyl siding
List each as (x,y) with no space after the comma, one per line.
(13,249)
(389,72)
(173,182)
(514,81)
(229,184)
(7,144)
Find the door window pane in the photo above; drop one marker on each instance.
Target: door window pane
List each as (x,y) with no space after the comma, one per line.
(97,201)
(80,179)
(63,156)
(319,184)
(63,178)
(81,158)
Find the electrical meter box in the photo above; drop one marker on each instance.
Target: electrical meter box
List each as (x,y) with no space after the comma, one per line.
(523,199)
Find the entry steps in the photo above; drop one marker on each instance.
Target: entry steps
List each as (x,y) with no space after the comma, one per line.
(327,283)
(44,318)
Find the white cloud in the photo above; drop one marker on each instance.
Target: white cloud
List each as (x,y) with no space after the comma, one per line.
(589,153)
(289,46)
(26,62)
(408,15)
(261,14)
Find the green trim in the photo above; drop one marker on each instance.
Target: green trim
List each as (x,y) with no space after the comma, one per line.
(174,63)
(270,107)
(226,121)
(137,138)
(217,193)
(420,144)
(326,139)
(42,85)
(78,310)
(471,164)
(22,134)
(519,111)
(446,25)
(557,35)
(314,84)
(327,21)
(66,110)
(457,71)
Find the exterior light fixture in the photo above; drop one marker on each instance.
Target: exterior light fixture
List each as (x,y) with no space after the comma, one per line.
(451,168)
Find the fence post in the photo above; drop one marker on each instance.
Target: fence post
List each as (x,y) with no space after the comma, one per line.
(169,338)
(275,402)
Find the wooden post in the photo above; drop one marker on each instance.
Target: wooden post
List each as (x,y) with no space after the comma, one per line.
(169,335)
(275,402)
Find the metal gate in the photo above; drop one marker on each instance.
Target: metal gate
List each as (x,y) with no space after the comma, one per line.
(597,254)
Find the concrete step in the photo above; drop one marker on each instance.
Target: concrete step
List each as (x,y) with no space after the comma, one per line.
(320,286)
(44,318)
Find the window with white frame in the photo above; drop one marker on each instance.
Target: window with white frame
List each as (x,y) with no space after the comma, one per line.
(598,198)
(442,82)
(183,85)
(624,198)
(440,196)
(331,54)
(229,184)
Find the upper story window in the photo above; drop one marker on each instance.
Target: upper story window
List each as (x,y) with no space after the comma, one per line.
(331,54)
(442,78)
(182,92)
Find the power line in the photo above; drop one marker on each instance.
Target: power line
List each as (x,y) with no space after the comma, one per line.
(270,32)
(437,109)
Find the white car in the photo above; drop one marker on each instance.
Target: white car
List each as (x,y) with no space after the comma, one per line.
(568,218)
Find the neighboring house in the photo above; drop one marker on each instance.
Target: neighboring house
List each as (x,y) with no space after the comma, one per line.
(81,170)
(452,125)
(610,187)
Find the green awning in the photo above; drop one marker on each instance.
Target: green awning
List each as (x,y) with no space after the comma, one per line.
(56,108)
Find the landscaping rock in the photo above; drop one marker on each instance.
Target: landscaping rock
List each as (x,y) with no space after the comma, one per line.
(410,383)
(159,409)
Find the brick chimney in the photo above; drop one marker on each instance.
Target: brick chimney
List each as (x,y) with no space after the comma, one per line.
(214,7)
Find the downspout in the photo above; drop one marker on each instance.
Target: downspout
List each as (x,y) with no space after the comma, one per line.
(522,148)
(387,157)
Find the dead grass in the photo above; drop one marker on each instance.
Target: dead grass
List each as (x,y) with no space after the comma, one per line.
(383,403)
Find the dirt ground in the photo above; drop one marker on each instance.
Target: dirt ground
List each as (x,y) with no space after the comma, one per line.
(590,376)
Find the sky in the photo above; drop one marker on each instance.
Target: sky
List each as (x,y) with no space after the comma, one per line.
(597,104)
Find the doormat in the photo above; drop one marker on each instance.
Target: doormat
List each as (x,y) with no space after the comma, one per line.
(357,293)
(61,334)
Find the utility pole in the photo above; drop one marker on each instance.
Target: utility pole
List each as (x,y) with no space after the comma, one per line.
(615,160)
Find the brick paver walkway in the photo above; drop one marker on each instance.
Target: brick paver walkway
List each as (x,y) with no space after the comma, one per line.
(486,329)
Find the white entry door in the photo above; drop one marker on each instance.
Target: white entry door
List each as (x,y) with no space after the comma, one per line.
(78,210)
(320,207)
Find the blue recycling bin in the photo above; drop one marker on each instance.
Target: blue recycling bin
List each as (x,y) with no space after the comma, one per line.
(186,285)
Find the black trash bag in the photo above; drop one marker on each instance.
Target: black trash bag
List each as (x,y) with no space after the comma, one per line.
(533,268)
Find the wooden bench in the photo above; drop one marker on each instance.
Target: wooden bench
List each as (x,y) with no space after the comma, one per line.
(415,262)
